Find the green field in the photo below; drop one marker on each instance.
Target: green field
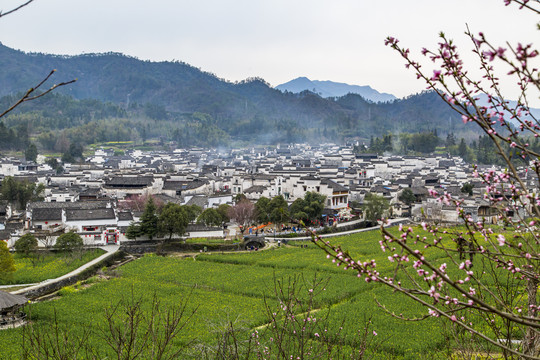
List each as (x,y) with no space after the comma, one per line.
(30,269)
(236,286)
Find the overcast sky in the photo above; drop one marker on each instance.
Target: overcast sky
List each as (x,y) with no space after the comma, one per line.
(278,40)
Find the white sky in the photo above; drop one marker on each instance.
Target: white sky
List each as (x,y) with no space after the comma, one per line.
(278,40)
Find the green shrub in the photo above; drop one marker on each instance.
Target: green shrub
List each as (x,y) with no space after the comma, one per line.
(26,244)
(69,242)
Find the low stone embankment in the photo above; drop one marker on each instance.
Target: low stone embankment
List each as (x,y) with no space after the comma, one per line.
(155,246)
(52,285)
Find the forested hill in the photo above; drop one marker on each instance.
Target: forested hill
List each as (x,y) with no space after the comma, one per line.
(185,99)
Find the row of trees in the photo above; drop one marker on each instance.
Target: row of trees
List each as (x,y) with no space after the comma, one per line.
(422,142)
(277,211)
(172,219)
(481,150)
(69,242)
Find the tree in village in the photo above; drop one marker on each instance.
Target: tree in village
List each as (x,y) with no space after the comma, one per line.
(31,152)
(407,196)
(223,211)
(7,264)
(138,202)
(262,210)
(193,212)
(239,197)
(279,210)
(73,154)
(26,244)
(424,142)
(375,206)
(69,242)
(450,139)
(479,279)
(308,208)
(210,217)
(467,188)
(21,192)
(243,213)
(133,231)
(173,219)
(462,149)
(274,210)
(55,165)
(148,224)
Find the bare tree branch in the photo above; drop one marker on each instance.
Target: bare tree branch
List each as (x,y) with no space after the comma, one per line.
(28,95)
(15,9)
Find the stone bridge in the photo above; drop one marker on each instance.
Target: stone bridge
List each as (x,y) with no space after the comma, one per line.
(253,241)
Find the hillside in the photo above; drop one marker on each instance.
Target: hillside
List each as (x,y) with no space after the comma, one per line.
(130,98)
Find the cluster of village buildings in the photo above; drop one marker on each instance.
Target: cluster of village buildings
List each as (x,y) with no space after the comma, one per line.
(89,198)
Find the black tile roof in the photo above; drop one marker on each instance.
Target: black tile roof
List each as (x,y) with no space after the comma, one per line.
(46,214)
(255,189)
(125,215)
(69,205)
(333,185)
(129,181)
(183,185)
(95,214)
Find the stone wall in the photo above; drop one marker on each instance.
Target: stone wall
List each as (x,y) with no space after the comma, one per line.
(147,246)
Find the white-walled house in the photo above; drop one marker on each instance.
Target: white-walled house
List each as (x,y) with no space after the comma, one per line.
(215,200)
(89,219)
(61,195)
(45,218)
(337,196)
(8,168)
(177,188)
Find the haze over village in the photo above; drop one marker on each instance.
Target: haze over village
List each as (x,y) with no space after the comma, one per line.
(88,198)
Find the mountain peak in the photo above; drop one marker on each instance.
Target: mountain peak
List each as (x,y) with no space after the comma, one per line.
(329,88)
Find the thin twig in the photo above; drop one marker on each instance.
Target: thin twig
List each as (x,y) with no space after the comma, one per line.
(17,8)
(27,96)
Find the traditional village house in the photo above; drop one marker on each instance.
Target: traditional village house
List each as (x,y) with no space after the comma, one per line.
(121,186)
(95,226)
(186,187)
(337,196)
(9,168)
(220,198)
(61,194)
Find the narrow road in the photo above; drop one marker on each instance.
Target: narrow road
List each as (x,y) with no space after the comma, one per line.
(391,222)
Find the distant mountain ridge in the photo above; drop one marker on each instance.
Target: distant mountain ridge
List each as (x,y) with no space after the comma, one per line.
(177,101)
(329,89)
